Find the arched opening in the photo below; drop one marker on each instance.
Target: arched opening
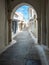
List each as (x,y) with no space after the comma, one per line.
(24,18)
(22,48)
(32,26)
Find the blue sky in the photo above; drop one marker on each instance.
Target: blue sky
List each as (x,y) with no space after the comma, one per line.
(24,10)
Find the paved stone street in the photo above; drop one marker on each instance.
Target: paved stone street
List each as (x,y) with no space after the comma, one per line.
(21,53)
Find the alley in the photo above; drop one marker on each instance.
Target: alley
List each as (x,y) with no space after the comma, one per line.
(23,52)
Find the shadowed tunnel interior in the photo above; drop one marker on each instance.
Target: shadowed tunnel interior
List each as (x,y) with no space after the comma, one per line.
(22,50)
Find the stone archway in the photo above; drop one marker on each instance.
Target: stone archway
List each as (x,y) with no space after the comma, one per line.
(35,13)
(35,4)
(12,13)
(19,5)
(38,16)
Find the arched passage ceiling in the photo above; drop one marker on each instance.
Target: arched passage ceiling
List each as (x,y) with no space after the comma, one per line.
(19,5)
(35,3)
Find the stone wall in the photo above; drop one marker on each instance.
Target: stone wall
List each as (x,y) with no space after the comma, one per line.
(47,22)
(2,23)
(43,22)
